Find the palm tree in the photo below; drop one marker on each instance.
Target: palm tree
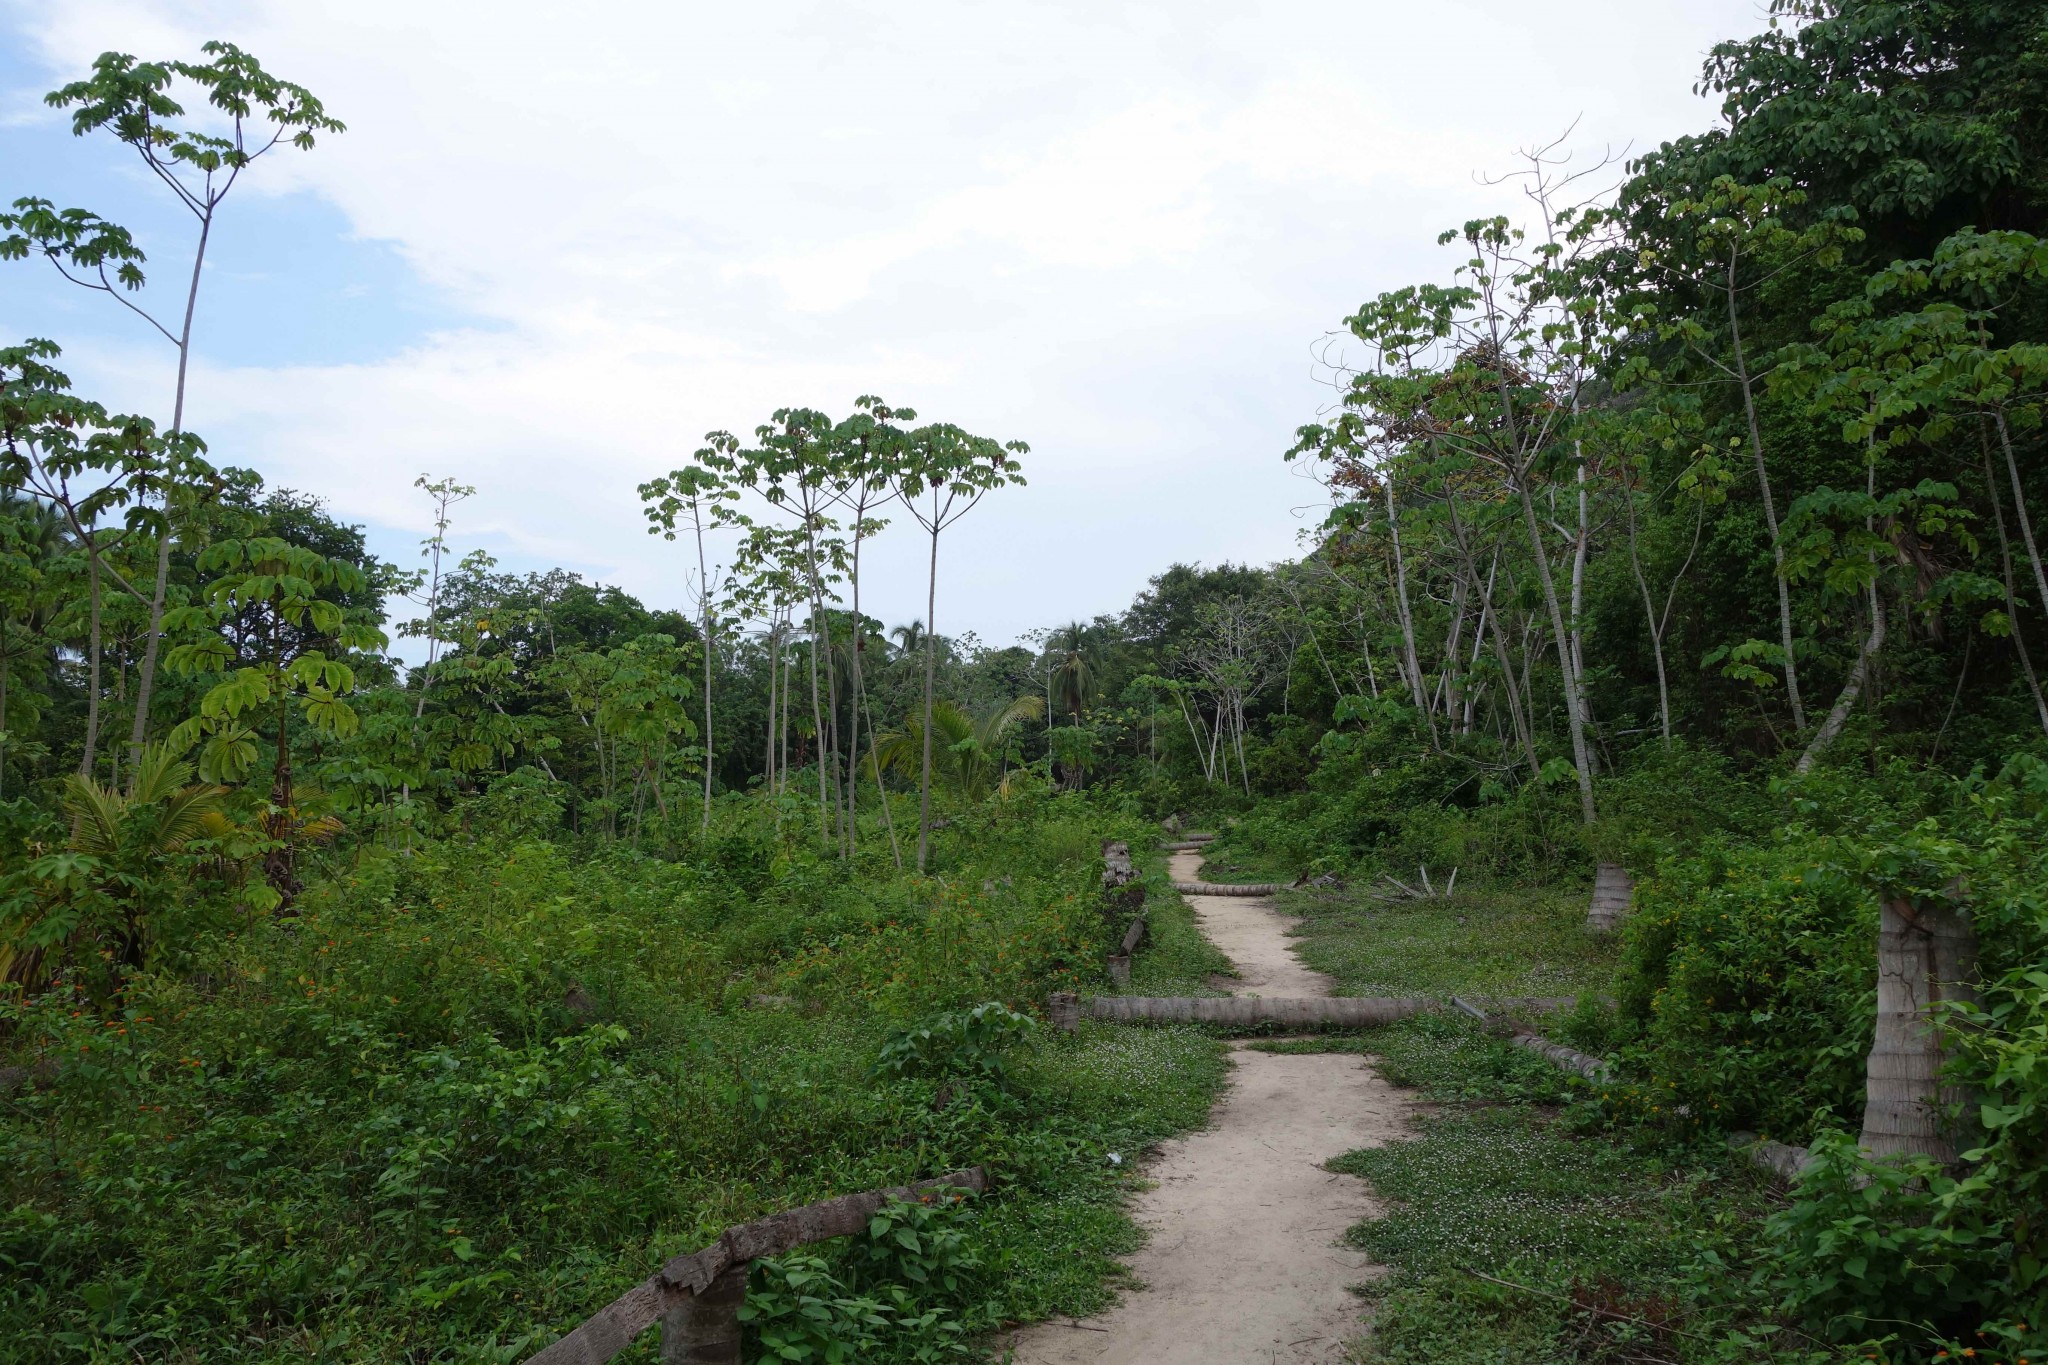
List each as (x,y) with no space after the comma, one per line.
(102,895)
(909,638)
(967,750)
(1071,670)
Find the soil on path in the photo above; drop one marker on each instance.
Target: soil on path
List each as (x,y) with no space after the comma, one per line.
(1243,1260)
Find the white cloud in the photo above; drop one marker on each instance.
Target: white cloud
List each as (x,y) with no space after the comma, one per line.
(1111,230)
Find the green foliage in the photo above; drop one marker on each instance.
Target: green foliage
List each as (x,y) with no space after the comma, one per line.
(471,1093)
(1746,988)
(1866,1242)
(970,1044)
(261,622)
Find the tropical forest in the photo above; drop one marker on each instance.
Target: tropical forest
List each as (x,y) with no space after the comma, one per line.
(1589,903)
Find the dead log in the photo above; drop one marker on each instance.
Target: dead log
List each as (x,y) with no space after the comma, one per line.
(1236,1011)
(1134,935)
(1120,968)
(1568,1059)
(1780,1159)
(1184,846)
(612,1328)
(1613,888)
(705,1328)
(1593,1069)
(1230,888)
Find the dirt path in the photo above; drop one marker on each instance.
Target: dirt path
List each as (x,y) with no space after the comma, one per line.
(1243,1262)
(1253,935)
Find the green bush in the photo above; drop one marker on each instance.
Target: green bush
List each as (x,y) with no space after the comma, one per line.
(1747,987)
(971,1044)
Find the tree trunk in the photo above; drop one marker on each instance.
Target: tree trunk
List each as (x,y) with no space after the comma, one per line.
(2019,499)
(1926,956)
(931,666)
(1574,712)
(92,684)
(279,863)
(1860,674)
(825,800)
(1763,482)
(704,582)
(705,1328)
(1414,663)
(145,686)
(1635,560)
(2012,605)
(1831,727)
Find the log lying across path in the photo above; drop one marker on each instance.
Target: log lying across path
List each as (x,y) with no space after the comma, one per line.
(1066,1010)
(699,1294)
(1231,888)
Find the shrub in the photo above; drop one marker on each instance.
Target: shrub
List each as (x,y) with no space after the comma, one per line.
(970,1045)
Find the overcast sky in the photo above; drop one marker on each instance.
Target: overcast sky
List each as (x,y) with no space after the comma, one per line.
(559,243)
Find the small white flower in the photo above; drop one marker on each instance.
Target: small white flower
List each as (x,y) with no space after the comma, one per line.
(1116,1159)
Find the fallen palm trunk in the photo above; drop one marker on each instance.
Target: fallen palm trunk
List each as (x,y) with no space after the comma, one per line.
(1066,1010)
(1568,1059)
(701,1292)
(1784,1161)
(1231,888)
(1184,846)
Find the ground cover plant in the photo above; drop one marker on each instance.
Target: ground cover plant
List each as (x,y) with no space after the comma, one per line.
(464,1096)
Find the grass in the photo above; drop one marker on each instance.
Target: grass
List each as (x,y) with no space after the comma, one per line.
(1175,959)
(1516,1233)
(1489,943)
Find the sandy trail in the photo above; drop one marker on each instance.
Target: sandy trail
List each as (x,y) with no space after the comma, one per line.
(1253,935)
(1243,1261)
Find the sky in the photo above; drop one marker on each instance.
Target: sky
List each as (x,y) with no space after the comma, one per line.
(558,244)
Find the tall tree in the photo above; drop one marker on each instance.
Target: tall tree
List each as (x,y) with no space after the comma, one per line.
(944,475)
(698,497)
(130,99)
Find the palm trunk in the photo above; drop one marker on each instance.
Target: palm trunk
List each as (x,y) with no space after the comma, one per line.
(1763,483)
(1926,958)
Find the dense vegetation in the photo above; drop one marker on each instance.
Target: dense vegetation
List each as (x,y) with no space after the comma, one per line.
(359,1009)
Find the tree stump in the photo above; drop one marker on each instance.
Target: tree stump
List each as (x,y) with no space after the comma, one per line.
(1063,1011)
(1612,890)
